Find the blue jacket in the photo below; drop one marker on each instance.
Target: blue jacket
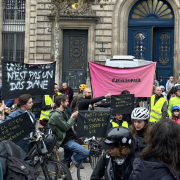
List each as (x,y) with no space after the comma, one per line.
(23,144)
(9,102)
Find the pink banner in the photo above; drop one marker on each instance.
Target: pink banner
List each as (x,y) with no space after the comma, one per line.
(138,81)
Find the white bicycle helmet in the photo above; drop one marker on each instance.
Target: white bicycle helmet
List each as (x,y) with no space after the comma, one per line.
(140,113)
(163,88)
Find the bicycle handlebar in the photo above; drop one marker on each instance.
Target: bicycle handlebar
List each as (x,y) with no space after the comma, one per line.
(29,139)
(92,138)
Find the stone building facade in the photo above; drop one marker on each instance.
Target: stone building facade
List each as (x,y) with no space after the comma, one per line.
(45,38)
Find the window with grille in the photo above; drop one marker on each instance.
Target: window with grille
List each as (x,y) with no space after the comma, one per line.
(14,10)
(13,46)
(13,34)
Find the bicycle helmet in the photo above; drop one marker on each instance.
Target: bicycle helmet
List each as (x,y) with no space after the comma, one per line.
(83,86)
(117,136)
(163,88)
(177,87)
(140,113)
(175,108)
(50,141)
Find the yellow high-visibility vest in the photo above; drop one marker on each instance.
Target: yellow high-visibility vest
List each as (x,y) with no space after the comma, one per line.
(45,113)
(156,113)
(124,124)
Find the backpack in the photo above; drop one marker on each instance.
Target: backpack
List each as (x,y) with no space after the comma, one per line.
(19,170)
(11,158)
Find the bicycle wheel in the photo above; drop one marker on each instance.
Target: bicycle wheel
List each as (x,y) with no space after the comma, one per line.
(95,155)
(52,170)
(85,174)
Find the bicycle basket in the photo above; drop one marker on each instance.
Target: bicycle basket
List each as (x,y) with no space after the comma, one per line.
(50,141)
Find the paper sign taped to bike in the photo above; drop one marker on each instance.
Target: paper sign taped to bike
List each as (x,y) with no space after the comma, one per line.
(122,104)
(36,108)
(92,123)
(16,128)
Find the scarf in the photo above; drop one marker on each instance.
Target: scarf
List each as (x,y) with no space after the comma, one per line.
(66,91)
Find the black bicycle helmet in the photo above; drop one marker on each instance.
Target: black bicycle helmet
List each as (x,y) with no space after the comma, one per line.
(117,136)
(50,141)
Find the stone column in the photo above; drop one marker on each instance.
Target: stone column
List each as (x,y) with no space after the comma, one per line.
(56,51)
(1,25)
(27,32)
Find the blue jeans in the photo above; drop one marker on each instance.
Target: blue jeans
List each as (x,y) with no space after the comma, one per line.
(72,147)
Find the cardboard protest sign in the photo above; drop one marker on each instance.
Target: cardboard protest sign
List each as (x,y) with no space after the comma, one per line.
(19,78)
(122,104)
(16,128)
(92,123)
(36,108)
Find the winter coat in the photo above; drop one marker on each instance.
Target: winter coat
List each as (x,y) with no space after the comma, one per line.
(140,146)
(59,125)
(108,168)
(152,170)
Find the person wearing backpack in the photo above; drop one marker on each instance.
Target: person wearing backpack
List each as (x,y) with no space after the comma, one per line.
(24,104)
(14,165)
(160,159)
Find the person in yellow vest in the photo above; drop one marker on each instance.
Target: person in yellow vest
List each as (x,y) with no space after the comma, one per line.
(158,106)
(47,105)
(118,121)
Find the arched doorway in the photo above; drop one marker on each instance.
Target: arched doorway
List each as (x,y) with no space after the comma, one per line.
(151,35)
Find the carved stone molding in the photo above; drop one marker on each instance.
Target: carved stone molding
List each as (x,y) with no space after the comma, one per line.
(84,9)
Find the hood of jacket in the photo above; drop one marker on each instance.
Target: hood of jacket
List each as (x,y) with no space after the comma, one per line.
(148,170)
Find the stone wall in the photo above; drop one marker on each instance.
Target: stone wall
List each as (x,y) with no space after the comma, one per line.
(38,32)
(103,30)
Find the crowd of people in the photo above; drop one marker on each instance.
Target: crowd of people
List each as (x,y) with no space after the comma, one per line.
(151,133)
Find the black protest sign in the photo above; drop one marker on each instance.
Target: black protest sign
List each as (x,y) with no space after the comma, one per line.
(36,108)
(20,78)
(16,128)
(92,123)
(122,104)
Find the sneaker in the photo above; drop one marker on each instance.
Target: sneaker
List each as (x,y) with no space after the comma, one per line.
(77,165)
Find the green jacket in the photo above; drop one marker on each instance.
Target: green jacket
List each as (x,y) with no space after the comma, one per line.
(59,125)
(175,101)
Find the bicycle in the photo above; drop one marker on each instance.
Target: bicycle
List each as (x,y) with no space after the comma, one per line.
(46,167)
(95,152)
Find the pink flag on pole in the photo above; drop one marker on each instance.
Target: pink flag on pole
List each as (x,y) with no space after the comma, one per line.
(138,81)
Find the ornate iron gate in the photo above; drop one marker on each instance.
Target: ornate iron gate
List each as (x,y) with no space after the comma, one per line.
(75,57)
